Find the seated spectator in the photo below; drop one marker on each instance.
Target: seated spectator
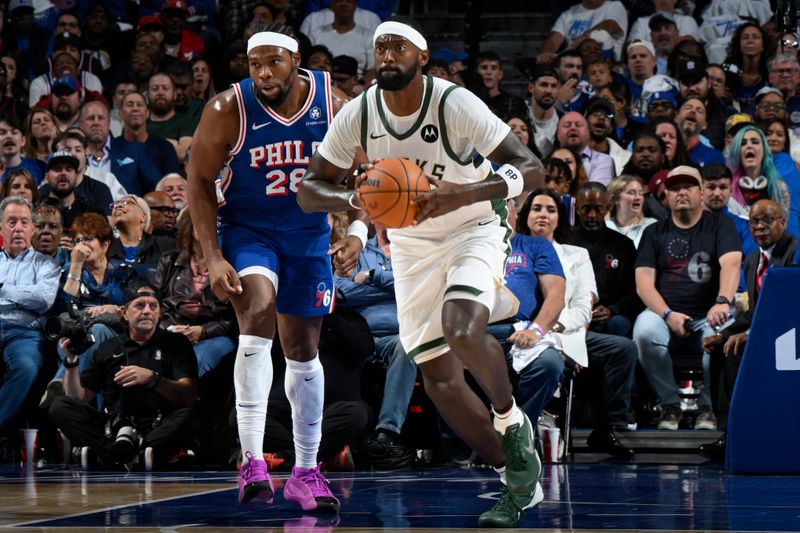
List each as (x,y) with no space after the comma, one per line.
(158,376)
(754,174)
(780,146)
(573,134)
(164,120)
(30,283)
(318,57)
(784,75)
(49,238)
(134,114)
(717,181)
(642,67)
(619,95)
(687,272)
(669,132)
(615,355)
(599,115)
(572,92)
(490,68)
(94,184)
(686,25)
(543,84)
(661,104)
(575,24)
(626,198)
(179,42)
(130,163)
(189,306)
(775,248)
(613,256)
(344,75)
(163,214)
(523,129)
(65,60)
(202,80)
(12,143)
(749,50)
(769,105)
(345,36)
(438,69)
(599,74)
(185,102)
(130,216)
(694,82)
(370,292)
(96,286)
(175,186)
(649,157)
(324,15)
(59,189)
(720,85)
(534,275)
(41,131)
(12,101)
(691,119)
(64,102)
(20,183)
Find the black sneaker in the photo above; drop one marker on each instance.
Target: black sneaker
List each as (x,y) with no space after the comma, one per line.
(670,417)
(55,389)
(606,441)
(705,419)
(376,452)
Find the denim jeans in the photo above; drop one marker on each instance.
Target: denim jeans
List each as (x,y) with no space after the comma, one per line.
(538,381)
(401,375)
(23,348)
(617,325)
(616,356)
(655,341)
(210,352)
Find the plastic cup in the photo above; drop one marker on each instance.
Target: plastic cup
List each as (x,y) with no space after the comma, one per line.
(551,444)
(29,446)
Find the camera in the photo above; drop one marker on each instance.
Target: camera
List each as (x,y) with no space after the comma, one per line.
(74,326)
(126,443)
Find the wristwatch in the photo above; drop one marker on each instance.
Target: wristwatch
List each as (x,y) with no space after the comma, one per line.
(722,300)
(371,275)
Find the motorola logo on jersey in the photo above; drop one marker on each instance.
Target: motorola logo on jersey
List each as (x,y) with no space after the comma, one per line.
(429,133)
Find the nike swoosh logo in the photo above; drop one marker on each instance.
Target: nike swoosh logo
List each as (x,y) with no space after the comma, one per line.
(485,222)
(117,355)
(308,379)
(249,354)
(259,126)
(373,136)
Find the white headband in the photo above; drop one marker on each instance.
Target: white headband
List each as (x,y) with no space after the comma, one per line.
(271,38)
(403,30)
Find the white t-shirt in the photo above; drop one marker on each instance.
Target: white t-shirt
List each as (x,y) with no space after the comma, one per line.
(362,17)
(686,26)
(545,133)
(576,20)
(356,43)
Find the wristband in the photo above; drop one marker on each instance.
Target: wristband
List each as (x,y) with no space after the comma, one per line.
(73,364)
(359,229)
(73,278)
(666,313)
(538,329)
(513,178)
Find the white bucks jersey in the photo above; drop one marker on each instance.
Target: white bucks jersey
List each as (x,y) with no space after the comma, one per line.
(449,137)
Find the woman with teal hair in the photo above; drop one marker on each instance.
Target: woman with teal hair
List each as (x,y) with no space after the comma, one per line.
(754,174)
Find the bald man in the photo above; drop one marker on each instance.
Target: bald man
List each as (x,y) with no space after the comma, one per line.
(776,247)
(573,134)
(163,213)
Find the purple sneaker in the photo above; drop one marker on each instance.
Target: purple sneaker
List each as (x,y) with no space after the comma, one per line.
(309,488)
(254,482)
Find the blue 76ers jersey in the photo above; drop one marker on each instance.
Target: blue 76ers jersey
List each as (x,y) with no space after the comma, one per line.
(260,178)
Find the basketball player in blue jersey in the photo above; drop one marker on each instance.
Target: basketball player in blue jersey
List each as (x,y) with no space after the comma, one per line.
(448,266)
(271,259)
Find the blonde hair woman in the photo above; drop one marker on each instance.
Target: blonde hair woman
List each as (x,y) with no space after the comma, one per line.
(626,204)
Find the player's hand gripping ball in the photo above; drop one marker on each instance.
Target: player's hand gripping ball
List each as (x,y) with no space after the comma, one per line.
(389,189)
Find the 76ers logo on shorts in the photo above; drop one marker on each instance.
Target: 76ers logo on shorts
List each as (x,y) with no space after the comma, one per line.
(323,296)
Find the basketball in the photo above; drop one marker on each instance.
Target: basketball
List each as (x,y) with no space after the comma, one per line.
(390,187)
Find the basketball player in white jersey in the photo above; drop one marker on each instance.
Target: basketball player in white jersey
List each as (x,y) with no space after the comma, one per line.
(449,265)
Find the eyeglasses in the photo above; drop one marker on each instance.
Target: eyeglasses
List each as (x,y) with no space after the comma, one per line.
(121,203)
(165,210)
(784,71)
(767,221)
(771,106)
(602,114)
(85,239)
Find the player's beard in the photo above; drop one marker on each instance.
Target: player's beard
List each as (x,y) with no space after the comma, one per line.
(397,81)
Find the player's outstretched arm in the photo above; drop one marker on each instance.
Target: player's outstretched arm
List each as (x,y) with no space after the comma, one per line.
(216,133)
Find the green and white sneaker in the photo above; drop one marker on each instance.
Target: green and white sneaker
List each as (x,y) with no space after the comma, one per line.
(523,466)
(509,508)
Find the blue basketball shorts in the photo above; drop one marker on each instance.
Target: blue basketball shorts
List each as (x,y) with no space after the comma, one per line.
(295,262)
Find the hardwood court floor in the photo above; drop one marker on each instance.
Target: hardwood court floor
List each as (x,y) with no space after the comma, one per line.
(578,497)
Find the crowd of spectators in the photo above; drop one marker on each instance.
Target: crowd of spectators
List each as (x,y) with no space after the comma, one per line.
(669,131)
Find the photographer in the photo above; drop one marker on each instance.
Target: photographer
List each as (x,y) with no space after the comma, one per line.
(148,377)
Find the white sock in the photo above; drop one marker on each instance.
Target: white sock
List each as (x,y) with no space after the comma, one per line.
(513,416)
(305,388)
(502,473)
(252,379)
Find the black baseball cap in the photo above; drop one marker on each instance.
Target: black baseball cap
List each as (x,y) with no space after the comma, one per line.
(595,103)
(137,289)
(692,72)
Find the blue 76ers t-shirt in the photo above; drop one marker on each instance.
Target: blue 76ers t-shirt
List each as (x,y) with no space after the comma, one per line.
(530,257)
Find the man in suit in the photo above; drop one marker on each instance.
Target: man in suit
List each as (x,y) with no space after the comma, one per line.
(776,247)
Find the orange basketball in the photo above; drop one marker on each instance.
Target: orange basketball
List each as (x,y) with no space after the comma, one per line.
(390,187)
